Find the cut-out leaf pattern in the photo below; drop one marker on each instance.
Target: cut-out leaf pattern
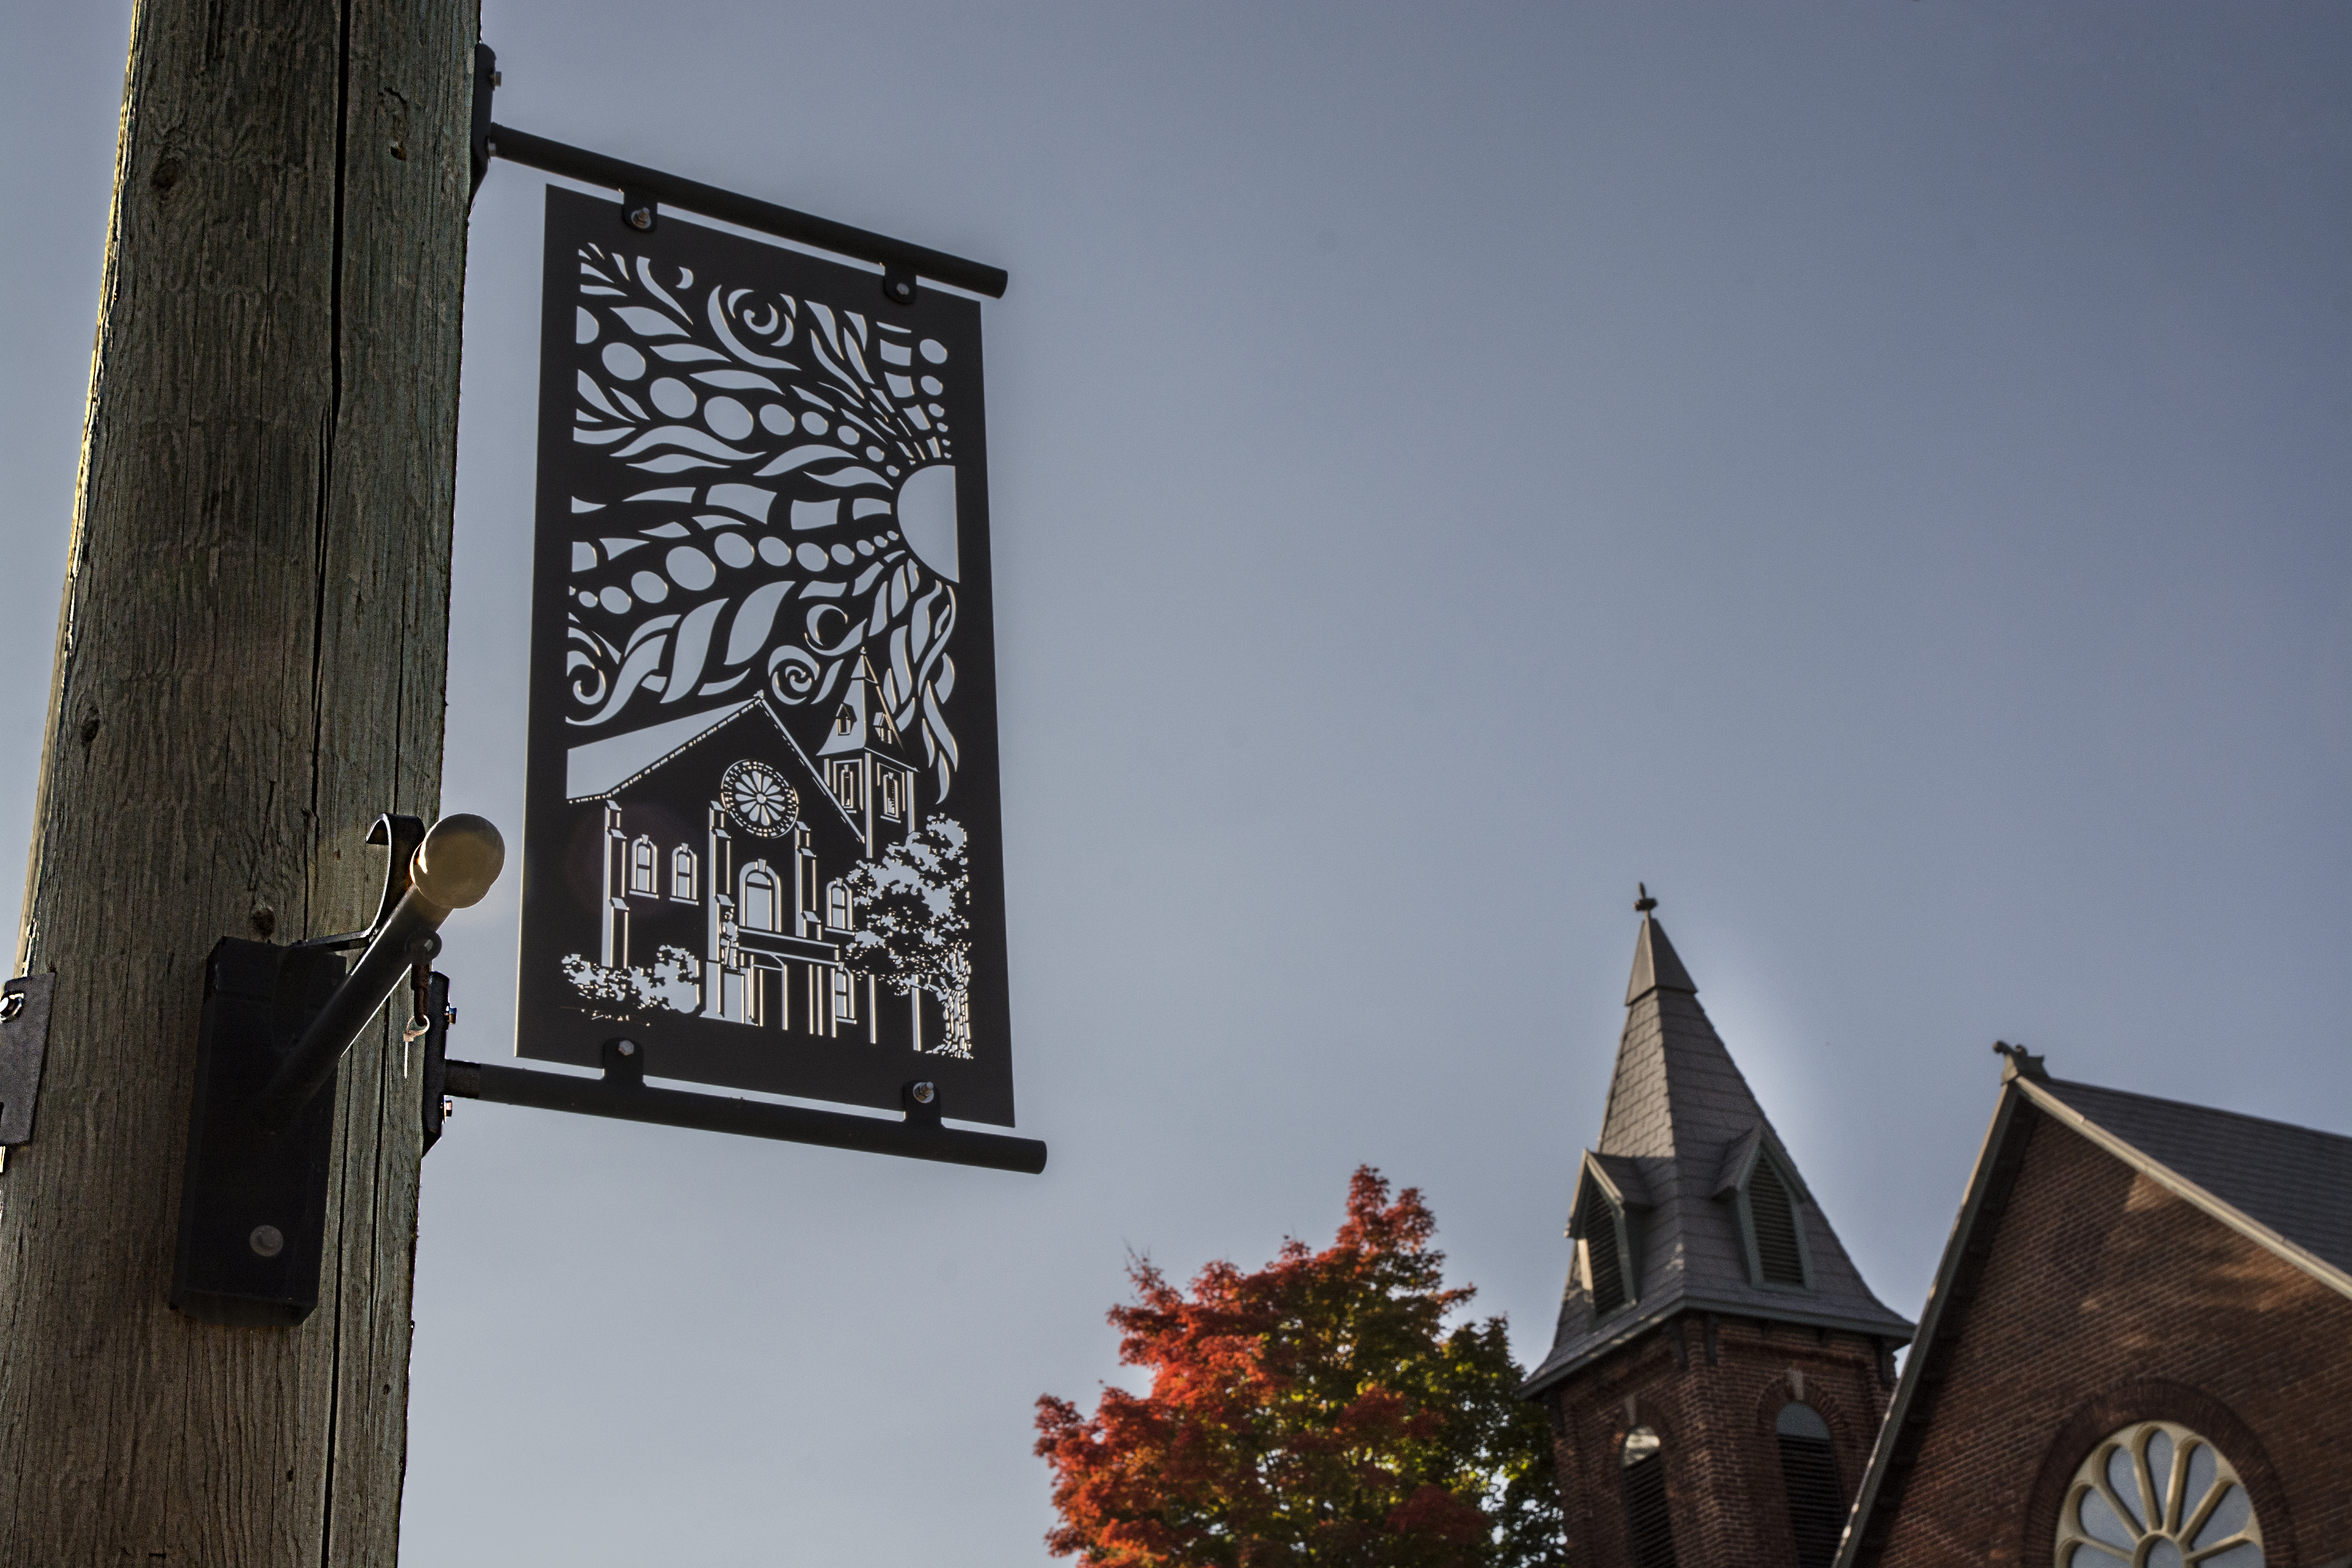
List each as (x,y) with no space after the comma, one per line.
(725,615)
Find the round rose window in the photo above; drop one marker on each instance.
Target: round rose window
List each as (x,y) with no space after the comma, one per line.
(2157,1495)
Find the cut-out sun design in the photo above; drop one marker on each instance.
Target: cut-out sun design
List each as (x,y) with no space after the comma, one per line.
(776,497)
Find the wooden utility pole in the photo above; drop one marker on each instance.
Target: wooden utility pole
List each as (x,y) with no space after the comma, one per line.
(250,665)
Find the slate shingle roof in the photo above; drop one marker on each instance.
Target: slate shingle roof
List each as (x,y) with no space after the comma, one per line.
(2295,1180)
(1677,1108)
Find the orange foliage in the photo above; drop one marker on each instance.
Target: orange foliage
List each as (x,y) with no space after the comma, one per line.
(1314,1411)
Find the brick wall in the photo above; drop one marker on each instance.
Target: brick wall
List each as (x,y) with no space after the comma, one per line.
(2106,1299)
(1722,1454)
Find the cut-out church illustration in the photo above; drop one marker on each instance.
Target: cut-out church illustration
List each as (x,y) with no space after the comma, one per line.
(743,911)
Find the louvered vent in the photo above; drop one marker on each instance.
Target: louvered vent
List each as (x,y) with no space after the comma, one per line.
(1646,1523)
(1774,1220)
(1600,1251)
(1809,1470)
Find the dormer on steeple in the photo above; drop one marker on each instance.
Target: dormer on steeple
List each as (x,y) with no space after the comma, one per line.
(1710,1312)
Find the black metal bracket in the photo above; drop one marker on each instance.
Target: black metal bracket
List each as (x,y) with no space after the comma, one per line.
(435,1074)
(24,1046)
(486,82)
(646,191)
(276,1023)
(623,1094)
(400,836)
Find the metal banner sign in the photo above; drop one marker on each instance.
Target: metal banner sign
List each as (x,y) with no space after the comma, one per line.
(762,837)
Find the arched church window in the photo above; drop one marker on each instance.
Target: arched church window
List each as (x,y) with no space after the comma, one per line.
(2157,1495)
(1776,1237)
(1648,1529)
(641,866)
(681,873)
(836,905)
(759,903)
(1808,1471)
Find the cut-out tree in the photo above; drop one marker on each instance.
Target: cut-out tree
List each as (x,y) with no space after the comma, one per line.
(1317,1411)
(914,931)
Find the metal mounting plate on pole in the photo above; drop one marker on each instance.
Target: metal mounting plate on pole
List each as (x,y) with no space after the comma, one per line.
(253,1209)
(24,1045)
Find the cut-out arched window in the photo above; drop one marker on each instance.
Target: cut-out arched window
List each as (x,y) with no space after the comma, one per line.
(641,866)
(1648,1530)
(758,908)
(1808,1471)
(681,873)
(836,905)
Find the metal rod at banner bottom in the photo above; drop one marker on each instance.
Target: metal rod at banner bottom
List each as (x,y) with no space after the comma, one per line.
(915,1137)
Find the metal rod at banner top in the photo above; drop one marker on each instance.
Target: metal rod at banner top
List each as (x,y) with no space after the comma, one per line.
(622,1093)
(579,163)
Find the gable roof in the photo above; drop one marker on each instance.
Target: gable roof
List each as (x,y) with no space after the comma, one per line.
(601,769)
(1680,1118)
(2285,1188)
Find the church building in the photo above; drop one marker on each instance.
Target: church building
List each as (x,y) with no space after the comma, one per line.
(1719,1369)
(2137,1352)
(2134,1354)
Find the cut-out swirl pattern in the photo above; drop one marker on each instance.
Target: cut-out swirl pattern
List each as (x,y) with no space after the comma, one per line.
(783,503)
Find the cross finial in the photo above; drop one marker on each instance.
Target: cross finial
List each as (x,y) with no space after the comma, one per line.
(1646,903)
(2019,1062)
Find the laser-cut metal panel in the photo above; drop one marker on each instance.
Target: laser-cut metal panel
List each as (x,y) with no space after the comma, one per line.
(761,831)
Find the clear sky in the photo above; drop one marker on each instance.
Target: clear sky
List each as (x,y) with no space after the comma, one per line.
(1877,473)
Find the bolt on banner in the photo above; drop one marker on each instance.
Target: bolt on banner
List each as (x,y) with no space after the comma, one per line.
(761,835)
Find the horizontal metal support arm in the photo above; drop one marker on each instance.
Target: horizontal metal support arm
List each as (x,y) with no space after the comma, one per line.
(669,190)
(622,1095)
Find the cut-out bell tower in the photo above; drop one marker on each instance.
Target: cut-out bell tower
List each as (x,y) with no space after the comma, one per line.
(1719,1369)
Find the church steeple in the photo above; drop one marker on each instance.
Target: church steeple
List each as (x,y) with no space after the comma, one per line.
(1682,1135)
(1695,1242)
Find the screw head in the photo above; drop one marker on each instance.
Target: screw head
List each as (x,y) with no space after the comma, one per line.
(925,1094)
(903,289)
(641,218)
(267,1240)
(627,1047)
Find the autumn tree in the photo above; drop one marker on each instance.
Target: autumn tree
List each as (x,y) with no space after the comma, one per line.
(1318,1412)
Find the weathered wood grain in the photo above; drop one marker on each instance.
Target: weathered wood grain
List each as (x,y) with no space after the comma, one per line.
(250,665)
